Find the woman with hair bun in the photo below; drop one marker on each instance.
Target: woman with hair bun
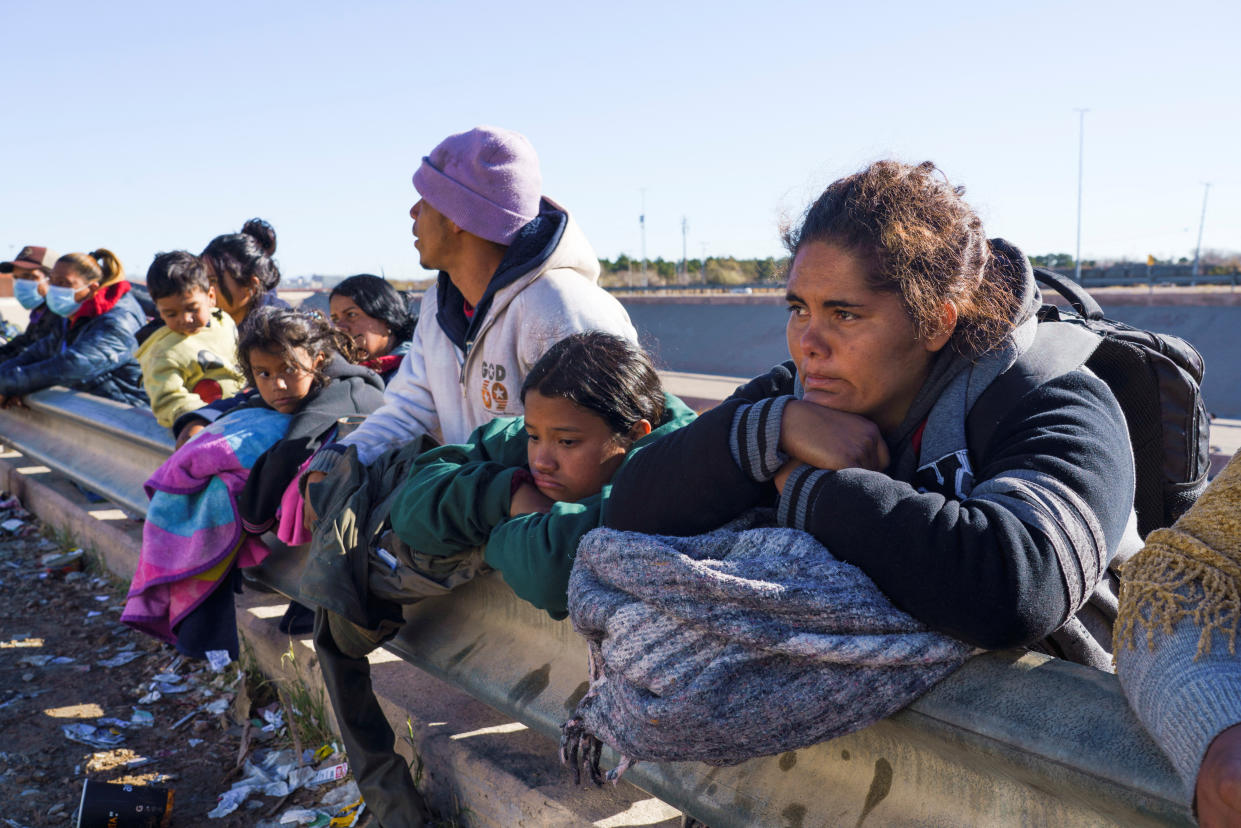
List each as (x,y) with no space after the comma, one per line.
(244,275)
(376,317)
(242,269)
(901,312)
(93,347)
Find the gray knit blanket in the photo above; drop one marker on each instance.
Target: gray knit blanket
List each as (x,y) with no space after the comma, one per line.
(747,641)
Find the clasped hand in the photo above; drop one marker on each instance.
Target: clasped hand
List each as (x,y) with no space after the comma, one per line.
(828,439)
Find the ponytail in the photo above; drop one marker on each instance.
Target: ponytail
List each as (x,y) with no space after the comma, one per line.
(110,269)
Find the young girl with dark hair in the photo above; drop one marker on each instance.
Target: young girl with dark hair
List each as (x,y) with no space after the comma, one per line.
(901,313)
(297,364)
(242,269)
(300,366)
(527,488)
(375,315)
(92,349)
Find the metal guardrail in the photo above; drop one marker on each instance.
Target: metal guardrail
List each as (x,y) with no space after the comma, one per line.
(108,447)
(112,448)
(1010,739)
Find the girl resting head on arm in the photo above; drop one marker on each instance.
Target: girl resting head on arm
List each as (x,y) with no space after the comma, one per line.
(587,401)
(527,488)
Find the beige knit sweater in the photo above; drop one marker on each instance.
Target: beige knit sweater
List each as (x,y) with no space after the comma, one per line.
(1182,594)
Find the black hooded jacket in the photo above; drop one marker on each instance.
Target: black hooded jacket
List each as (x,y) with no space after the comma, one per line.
(1004,569)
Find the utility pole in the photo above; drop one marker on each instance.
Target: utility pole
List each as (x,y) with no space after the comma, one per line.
(1081,145)
(684,250)
(1202,223)
(642,226)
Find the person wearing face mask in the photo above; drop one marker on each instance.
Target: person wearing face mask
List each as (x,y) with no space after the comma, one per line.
(30,271)
(92,346)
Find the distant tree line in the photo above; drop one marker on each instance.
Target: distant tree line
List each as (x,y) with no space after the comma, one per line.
(714,270)
(729,271)
(1211,263)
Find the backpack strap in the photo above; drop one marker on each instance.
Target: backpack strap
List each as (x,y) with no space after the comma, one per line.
(1058,347)
(1085,304)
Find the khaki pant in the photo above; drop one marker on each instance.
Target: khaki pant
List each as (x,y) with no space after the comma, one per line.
(381,774)
(342,646)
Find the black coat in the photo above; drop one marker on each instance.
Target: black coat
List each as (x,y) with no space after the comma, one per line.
(350,390)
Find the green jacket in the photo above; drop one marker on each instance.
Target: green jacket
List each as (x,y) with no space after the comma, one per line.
(457,497)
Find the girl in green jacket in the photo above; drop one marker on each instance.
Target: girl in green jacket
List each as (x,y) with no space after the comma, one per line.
(528,488)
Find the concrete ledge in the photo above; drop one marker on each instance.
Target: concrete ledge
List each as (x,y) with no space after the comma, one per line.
(478,766)
(101,528)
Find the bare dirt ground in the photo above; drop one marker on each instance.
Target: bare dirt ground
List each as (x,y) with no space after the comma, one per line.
(66,661)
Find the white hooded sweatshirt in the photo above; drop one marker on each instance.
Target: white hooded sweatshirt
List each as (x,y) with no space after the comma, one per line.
(446,391)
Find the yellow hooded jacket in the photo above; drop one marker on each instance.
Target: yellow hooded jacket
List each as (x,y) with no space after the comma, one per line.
(173,365)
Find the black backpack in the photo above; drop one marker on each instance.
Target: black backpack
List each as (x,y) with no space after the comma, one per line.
(1156,379)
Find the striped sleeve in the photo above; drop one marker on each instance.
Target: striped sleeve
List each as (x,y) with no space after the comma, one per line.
(327,459)
(755,438)
(794,506)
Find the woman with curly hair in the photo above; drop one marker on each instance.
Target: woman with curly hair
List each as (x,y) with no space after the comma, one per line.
(901,313)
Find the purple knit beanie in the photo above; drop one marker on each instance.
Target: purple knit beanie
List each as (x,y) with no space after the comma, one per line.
(486,181)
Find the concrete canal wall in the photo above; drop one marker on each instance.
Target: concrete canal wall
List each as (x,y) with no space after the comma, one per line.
(744,335)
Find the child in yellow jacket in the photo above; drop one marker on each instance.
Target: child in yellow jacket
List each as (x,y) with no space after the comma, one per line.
(192,360)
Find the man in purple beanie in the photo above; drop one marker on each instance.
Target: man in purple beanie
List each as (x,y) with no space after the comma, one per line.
(516,276)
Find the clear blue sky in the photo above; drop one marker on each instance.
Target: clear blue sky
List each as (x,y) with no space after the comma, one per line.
(154,126)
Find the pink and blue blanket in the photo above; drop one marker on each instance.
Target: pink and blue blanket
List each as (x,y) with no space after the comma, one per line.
(192,537)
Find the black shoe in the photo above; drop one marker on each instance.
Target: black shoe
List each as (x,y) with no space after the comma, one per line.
(297,620)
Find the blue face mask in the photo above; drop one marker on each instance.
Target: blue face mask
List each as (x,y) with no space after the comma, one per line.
(61,302)
(27,293)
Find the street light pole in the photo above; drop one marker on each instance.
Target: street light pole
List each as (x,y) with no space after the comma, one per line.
(684,250)
(1081,145)
(1202,223)
(642,225)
